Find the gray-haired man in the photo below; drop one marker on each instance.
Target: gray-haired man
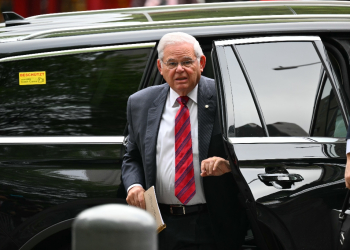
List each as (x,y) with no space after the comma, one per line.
(175,144)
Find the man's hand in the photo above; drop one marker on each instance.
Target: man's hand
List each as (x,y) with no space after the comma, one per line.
(215,166)
(347,171)
(136,197)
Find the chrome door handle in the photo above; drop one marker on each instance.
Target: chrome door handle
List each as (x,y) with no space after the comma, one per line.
(280,181)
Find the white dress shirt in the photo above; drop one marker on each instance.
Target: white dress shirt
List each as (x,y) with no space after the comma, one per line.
(165,156)
(347,146)
(165,181)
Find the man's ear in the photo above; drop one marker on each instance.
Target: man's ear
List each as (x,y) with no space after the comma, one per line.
(159,67)
(202,62)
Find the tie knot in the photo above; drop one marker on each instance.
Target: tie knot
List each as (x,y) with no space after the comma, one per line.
(182,100)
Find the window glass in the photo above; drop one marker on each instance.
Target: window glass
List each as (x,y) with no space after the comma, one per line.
(208,69)
(84,94)
(286,77)
(247,121)
(335,68)
(329,120)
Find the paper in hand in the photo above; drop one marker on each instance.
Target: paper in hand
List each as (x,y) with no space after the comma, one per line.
(153,209)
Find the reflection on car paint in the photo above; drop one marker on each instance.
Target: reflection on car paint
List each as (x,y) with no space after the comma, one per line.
(102,177)
(259,189)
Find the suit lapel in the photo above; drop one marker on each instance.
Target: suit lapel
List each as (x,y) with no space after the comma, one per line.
(153,121)
(206,116)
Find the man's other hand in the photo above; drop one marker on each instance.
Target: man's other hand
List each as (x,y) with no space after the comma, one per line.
(136,197)
(215,166)
(347,171)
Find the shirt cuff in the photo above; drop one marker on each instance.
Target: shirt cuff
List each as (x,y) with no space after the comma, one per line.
(134,185)
(347,146)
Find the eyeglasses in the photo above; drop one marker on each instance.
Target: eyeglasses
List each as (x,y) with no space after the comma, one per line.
(173,65)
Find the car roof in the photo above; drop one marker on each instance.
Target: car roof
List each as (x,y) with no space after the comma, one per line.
(54,32)
(161,17)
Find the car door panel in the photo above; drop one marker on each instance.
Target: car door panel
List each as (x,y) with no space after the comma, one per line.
(61,143)
(286,133)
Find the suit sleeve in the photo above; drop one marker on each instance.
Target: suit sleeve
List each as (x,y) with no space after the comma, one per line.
(132,167)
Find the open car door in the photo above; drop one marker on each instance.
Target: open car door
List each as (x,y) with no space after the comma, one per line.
(284,123)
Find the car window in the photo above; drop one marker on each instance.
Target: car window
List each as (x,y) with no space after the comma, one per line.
(208,69)
(84,94)
(247,121)
(336,68)
(288,79)
(329,121)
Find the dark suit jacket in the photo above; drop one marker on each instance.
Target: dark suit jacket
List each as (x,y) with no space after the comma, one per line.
(144,112)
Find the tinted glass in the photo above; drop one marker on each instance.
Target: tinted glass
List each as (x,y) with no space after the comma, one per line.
(329,121)
(208,69)
(286,77)
(336,68)
(247,122)
(85,94)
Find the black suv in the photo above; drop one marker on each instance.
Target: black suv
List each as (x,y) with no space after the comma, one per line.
(282,76)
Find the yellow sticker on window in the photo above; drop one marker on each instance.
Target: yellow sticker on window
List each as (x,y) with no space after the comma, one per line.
(32,78)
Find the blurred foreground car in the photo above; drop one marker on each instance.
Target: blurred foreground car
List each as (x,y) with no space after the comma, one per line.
(282,75)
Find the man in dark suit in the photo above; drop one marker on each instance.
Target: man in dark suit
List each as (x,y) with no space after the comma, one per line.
(176,145)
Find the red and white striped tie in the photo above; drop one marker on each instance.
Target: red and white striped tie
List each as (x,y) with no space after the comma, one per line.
(185,187)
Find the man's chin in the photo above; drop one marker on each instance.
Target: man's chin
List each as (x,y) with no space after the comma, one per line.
(183,89)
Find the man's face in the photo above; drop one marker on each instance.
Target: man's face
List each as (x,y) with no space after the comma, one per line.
(181,79)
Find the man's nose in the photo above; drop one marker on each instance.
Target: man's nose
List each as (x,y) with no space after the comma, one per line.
(179,67)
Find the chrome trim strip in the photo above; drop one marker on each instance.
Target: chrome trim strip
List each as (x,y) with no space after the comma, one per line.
(63,140)
(78,51)
(284,140)
(268,39)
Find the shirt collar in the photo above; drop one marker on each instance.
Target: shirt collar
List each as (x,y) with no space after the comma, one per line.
(192,95)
